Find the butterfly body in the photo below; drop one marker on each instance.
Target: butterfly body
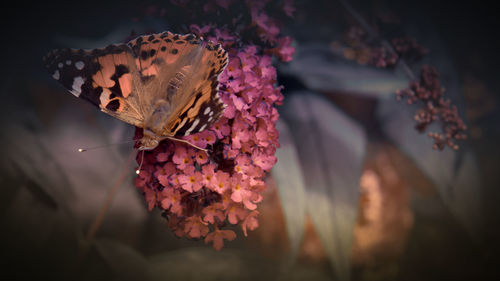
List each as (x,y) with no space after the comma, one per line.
(165,83)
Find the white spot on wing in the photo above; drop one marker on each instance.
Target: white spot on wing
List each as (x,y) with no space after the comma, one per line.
(104,98)
(207,110)
(203,127)
(56,75)
(196,121)
(79,65)
(68,62)
(211,113)
(60,65)
(77,86)
(210,118)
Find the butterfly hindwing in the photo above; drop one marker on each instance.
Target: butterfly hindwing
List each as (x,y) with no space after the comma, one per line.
(200,105)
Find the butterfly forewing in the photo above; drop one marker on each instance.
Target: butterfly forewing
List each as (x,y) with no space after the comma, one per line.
(104,77)
(158,57)
(128,80)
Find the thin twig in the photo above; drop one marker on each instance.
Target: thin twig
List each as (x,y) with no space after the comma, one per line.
(97,221)
(373,34)
(102,212)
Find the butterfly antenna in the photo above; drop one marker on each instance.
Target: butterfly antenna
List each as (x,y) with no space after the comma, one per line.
(187,142)
(103,146)
(140,165)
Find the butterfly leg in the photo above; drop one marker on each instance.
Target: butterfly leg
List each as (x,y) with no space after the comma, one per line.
(187,142)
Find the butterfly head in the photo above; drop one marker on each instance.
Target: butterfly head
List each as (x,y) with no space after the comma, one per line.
(149,140)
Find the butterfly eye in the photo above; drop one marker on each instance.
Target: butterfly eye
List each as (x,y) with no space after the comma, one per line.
(148,144)
(148,141)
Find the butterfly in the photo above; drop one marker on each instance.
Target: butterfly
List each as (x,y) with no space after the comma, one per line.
(165,83)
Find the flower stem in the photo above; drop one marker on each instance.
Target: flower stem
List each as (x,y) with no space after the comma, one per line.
(104,207)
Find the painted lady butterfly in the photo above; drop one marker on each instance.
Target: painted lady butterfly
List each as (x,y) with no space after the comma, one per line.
(165,83)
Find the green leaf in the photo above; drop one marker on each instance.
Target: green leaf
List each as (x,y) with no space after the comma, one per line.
(287,174)
(454,174)
(320,69)
(202,264)
(229,264)
(331,149)
(125,262)
(28,161)
(38,241)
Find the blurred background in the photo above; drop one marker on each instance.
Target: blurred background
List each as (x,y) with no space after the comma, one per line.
(357,193)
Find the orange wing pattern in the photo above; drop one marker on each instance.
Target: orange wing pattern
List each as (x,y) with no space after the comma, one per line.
(104,77)
(127,80)
(185,72)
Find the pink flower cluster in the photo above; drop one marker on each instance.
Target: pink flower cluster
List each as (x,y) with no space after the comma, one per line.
(364,50)
(430,93)
(381,57)
(408,48)
(378,55)
(427,90)
(203,193)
